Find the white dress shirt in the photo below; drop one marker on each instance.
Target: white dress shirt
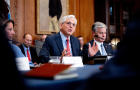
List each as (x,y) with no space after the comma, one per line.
(99,47)
(64,38)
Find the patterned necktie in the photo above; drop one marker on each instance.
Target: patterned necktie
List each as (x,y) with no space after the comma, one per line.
(68,47)
(103,50)
(28,55)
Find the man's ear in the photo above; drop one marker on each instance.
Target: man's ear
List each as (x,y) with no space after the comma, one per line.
(60,25)
(93,34)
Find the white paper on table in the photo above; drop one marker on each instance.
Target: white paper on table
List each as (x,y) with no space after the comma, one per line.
(76,61)
(22,63)
(109,57)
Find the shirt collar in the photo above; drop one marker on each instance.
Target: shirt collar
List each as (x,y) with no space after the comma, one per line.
(63,36)
(10,41)
(25,46)
(99,43)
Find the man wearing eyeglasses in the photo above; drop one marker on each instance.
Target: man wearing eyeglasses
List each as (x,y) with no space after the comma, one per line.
(62,43)
(97,46)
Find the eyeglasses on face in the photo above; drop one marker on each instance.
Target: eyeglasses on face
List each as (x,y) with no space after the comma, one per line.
(70,23)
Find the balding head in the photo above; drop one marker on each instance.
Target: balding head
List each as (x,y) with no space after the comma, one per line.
(27,39)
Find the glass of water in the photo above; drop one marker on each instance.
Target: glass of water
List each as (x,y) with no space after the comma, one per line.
(54,59)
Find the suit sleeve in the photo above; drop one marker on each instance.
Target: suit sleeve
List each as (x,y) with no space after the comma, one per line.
(34,55)
(44,52)
(85,53)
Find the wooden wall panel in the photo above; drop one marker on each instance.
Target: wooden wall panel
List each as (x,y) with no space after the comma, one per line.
(19,19)
(24,13)
(84,11)
(86,18)
(75,10)
(30,17)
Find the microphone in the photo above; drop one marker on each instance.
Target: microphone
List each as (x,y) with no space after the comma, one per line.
(99,37)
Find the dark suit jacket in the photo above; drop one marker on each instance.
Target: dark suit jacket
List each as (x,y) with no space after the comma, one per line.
(107,47)
(53,47)
(33,53)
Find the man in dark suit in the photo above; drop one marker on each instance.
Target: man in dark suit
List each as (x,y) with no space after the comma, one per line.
(97,46)
(62,43)
(123,70)
(28,50)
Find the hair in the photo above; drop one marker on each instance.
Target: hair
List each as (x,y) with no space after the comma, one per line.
(98,25)
(6,22)
(79,36)
(26,34)
(63,19)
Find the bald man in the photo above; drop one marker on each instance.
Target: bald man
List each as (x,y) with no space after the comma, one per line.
(28,50)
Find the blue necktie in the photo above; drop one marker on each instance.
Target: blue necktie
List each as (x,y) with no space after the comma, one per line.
(103,50)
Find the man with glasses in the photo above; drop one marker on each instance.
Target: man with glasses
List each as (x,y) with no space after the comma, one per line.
(62,43)
(97,46)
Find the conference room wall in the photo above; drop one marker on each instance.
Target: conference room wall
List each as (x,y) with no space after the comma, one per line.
(24,14)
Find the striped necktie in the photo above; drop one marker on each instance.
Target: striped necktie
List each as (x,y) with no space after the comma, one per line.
(103,50)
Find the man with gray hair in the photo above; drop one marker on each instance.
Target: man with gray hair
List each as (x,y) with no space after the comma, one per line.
(62,43)
(97,46)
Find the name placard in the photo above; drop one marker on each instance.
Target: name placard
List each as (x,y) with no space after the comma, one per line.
(76,61)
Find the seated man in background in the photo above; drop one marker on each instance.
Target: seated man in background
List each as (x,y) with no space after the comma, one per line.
(97,46)
(62,43)
(39,43)
(28,50)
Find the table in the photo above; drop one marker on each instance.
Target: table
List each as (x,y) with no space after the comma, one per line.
(67,84)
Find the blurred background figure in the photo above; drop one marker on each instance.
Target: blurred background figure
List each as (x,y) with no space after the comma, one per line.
(81,39)
(28,50)
(8,26)
(8,65)
(39,43)
(3,11)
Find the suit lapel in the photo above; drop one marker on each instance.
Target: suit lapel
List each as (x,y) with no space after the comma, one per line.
(106,48)
(22,49)
(59,42)
(72,45)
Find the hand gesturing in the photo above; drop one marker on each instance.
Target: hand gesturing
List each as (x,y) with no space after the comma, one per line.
(64,53)
(92,50)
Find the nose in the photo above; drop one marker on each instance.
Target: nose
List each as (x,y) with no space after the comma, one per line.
(71,25)
(13,32)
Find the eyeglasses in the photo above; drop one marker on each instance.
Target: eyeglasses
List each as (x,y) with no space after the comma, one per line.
(102,32)
(69,23)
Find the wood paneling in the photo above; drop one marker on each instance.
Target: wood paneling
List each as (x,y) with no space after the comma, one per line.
(75,10)
(20,19)
(24,14)
(84,11)
(30,17)
(86,18)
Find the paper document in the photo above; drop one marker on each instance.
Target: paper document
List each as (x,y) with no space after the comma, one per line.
(76,61)
(22,63)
